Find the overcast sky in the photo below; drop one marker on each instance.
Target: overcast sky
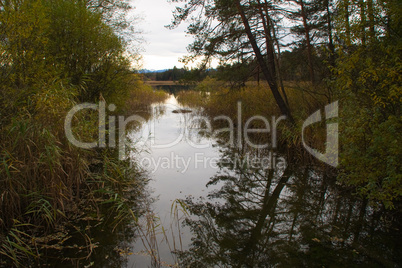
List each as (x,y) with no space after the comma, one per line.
(163,47)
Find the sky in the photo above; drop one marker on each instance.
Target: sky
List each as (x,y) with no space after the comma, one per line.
(162,47)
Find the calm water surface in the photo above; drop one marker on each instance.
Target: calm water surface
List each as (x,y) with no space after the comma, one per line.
(293,215)
(180,163)
(210,205)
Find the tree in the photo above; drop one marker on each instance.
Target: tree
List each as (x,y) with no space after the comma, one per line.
(369,86)
(314,26)
(305,13)
(52,54)
(329,29)
(91,57)
(229,30)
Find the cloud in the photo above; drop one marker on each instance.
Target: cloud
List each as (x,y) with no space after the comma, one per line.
(163,47)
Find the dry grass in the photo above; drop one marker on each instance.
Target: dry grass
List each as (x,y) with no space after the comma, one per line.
(258,100)
(161,83)
(143,95)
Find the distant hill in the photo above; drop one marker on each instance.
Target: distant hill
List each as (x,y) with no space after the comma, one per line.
(146,71)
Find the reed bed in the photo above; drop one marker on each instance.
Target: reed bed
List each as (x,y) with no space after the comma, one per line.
(256,99)
(46,182)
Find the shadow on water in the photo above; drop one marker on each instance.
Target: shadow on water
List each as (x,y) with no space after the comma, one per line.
(292,217)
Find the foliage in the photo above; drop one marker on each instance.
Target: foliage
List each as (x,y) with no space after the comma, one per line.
(294,65)
(235,31)
(183,75)
(142,96)
(369,86)
(54,54)
(237,74)
(371,122)
(349,51)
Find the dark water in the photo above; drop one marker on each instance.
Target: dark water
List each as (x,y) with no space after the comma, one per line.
(298,217)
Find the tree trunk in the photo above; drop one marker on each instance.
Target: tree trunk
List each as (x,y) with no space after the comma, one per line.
(363,21)
(308,41)
(269,75)
(273,63)
(268,41)
(331,46)
(277,63)
(278,67)
(371,19)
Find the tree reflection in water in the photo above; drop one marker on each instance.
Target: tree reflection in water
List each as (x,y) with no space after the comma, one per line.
(290,217)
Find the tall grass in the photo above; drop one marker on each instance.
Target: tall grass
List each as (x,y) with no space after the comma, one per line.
(45,181)
(142,96)
(55,54)
(151,228)
(255,99)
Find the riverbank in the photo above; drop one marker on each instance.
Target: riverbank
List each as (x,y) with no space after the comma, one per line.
(256,100)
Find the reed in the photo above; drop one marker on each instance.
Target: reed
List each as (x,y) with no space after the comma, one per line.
(255,99)
(45,182)
(142,96)
(151,228)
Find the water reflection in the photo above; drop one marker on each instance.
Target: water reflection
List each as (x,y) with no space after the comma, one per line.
(283,214)
(176,169)
(174,89)
(287,218)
